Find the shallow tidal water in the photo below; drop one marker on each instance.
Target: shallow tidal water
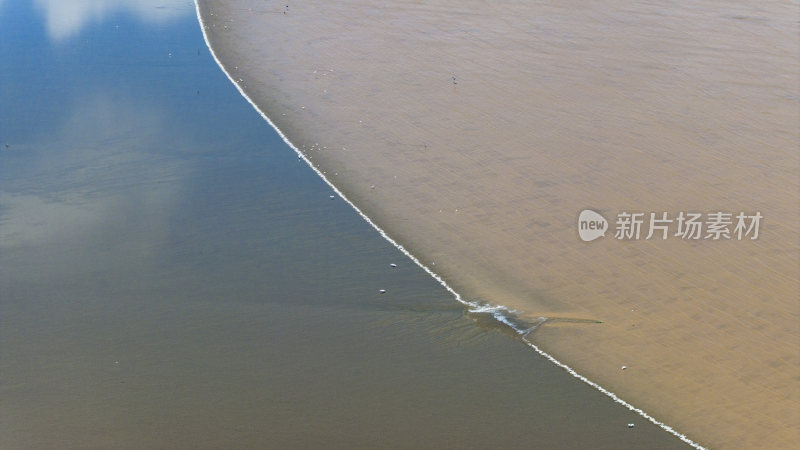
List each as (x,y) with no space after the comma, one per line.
(171,275)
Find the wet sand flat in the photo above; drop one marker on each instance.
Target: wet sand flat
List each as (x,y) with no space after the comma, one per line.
(475,132)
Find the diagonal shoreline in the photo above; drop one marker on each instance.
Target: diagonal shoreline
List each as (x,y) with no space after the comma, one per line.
(499,312)
(556,339)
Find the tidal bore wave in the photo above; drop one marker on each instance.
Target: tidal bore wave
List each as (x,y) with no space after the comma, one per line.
(477,309)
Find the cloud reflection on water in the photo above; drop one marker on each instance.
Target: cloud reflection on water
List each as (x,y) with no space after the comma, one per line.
(100,185)
(65,18)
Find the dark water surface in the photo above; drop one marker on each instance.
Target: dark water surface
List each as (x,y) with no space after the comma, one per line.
(171,275)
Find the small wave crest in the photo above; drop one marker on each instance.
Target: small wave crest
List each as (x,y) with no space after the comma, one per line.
(487,315)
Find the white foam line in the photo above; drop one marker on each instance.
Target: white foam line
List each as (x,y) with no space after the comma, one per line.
(613,396)
(476,306)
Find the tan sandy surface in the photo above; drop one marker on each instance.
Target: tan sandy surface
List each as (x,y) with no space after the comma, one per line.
(559,106)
